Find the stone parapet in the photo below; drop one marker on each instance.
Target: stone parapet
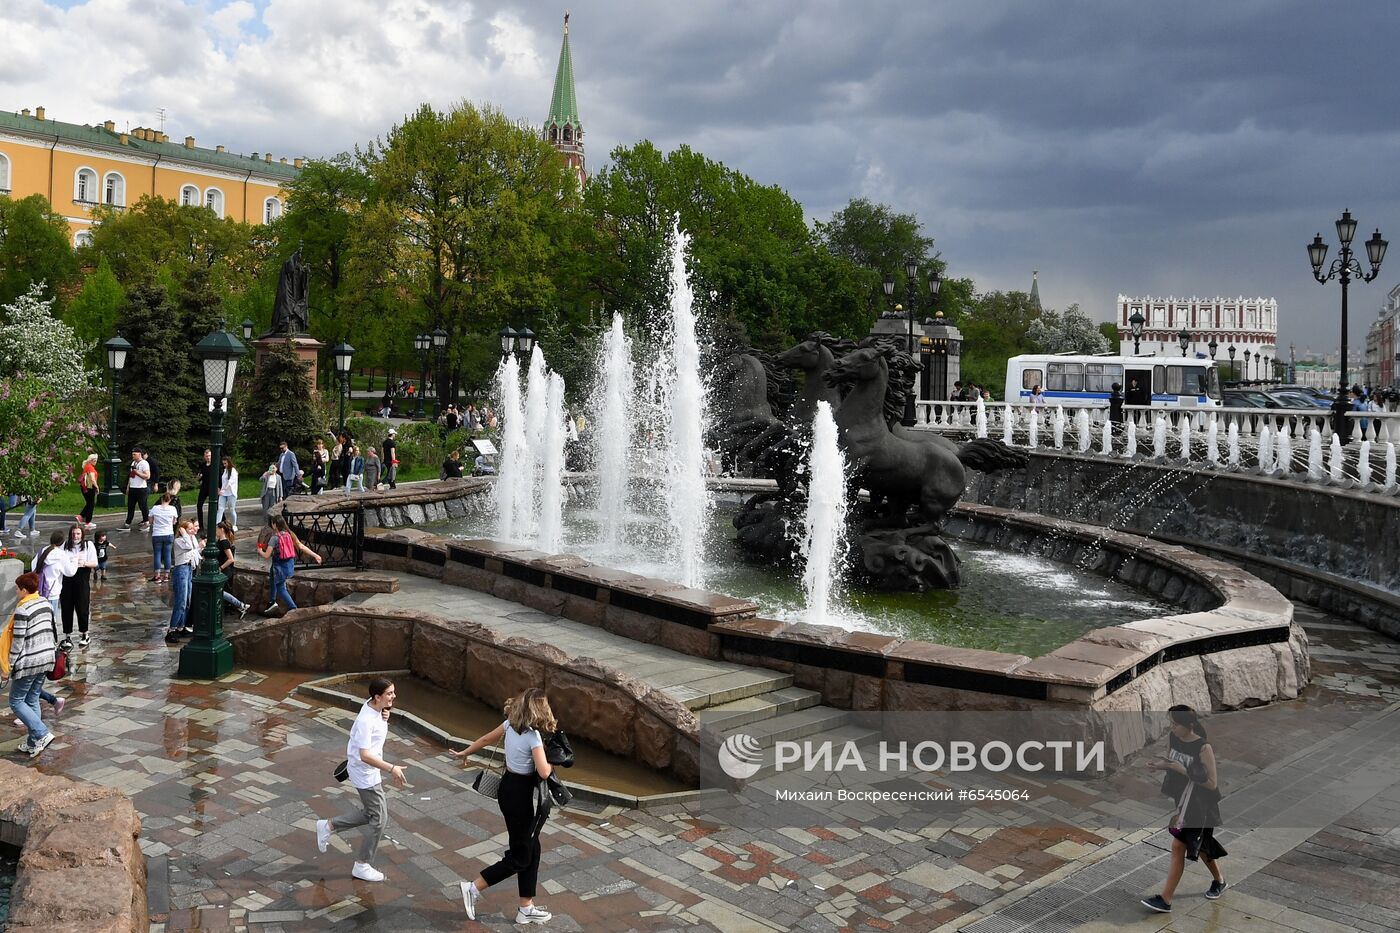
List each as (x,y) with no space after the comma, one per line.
(412,504)
(80,867)
(250,581)
(618,712)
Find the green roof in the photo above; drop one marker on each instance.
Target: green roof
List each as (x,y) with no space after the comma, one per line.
(563,106)
(103,138)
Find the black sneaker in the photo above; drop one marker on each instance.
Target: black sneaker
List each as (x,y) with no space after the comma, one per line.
(66,644)
(1217,888)
(1156,903)
(172,637)
(83,640)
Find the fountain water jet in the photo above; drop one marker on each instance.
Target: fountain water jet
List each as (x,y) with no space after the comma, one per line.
(823,544)
(687,498)
(1059,427)
(1081,428)
(1008,425)
(1184,436)
(1283,453)
(1213,441)
(1159,439)
(1232,442)
(511,480)
(551,522)
(1315,455)
(1130,449)
(1266,450)
(1033,429)
(612,433)
(1334,461)
(1363,464)
(981,417)
(1389,467)
(1106,441)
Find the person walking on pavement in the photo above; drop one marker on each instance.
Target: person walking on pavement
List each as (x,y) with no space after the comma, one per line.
(31,657)
(287,467)
(88,483)
(208,485)
(138,483)
(364,760)
(527,716)
(1192,781)
(228,495)
(75,596)
(281,549)
(390,458)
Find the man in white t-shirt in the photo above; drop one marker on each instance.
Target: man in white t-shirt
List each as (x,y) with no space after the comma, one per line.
(364,755)
(138,488)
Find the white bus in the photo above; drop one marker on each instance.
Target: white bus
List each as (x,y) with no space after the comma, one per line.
(1160,381)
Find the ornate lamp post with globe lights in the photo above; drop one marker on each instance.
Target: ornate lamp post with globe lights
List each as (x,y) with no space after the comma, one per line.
(1183,340)
(1135,323)
(421,343)
(117,350)
(208,655)
(343,354)
(1345,267)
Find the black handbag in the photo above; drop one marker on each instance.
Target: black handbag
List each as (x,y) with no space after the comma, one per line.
(558,751)
(558,791)
(342,771)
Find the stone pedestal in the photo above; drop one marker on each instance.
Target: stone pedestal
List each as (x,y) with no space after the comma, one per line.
(307,349)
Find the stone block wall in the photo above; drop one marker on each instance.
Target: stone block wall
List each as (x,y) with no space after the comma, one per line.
(250,582)
(80,865)
(616,711)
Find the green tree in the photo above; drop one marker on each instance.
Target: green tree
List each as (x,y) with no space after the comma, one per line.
(994,327)
(465,225)
(198,311)
(34,344)
(279,407)
(154,404)
(879,240)
(324,205)
(1110,333)
(93,311)
(34,248)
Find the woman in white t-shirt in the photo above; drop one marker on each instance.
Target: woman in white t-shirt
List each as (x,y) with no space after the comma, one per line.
(228,495)
(527,716)
(163,518)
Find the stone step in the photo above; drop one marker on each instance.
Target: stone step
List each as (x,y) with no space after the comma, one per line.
(703,692)
(817,721)
(731,715)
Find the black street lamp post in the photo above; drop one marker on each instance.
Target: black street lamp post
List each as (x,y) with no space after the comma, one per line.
(525,341)
(208,655)
(1212,346)
(1248,367)
(343,354)
(440,348)
(117,350)
(1183,340)
(1135,324)
(1231,351)
(421,343)
(911,283)
(507,335)
(1345,267)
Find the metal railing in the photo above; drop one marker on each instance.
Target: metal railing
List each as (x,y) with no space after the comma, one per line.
(1294,444)
(339,537)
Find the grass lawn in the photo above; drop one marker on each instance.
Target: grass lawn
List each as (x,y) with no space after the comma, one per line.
(70,500)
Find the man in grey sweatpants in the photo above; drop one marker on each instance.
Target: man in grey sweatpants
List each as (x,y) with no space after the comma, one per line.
(364,758)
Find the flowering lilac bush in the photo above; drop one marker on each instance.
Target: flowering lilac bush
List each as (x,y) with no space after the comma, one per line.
(47,400)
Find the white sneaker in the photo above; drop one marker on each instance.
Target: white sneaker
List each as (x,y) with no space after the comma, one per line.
(366,872)
(323,834)
(470,895)
(532,914)
(43,744)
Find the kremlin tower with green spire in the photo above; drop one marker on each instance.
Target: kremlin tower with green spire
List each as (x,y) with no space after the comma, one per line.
(562,128)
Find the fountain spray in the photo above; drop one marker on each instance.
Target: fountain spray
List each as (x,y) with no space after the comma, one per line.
(687,499)
(1334,463)
(823,544)
(551,522)
(612,434)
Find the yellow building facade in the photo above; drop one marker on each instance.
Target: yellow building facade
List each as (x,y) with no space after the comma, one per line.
(78,167)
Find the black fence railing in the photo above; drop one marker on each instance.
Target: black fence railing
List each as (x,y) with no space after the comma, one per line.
(339,537)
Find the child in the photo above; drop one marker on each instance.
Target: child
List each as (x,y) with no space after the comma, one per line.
(225,537)
(101,543)
(186,548)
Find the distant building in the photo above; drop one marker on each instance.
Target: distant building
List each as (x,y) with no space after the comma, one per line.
(562,128)
(79,167)
(1246,323)
(1382,360)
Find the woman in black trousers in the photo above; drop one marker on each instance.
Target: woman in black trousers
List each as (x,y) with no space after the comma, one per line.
(75,596)
(527,717)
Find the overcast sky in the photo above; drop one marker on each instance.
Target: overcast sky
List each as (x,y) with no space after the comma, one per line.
(1187,148)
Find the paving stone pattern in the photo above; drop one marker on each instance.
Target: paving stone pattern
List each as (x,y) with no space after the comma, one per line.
(229,778)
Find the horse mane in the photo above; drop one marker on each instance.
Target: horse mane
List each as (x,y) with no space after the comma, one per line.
(777,378)
(902,367)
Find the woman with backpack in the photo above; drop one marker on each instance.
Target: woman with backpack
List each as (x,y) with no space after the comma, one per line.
(281,550)
(75,595)
(1192,781)
(31,657)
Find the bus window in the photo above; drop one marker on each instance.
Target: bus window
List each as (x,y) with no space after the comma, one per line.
(1030,378)
(1188,380)
(1100,377)
(1065,377)
(1159,380)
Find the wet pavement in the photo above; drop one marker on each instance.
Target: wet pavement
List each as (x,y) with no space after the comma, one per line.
(230,777)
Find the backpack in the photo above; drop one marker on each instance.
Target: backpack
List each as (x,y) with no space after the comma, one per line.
(286,546)
(39,569)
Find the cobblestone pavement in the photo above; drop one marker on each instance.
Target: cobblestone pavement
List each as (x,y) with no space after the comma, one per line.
(230,778)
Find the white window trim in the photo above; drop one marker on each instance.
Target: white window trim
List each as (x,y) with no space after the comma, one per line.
(96,183)
(267,202)
(119,198)
(219,208)
(194,201)
(6,168)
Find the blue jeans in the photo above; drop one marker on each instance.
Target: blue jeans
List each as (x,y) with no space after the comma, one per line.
(232,600)
(282,571)
(24,700)
(180,581)
(30,511)
(163,551)
(228,505)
